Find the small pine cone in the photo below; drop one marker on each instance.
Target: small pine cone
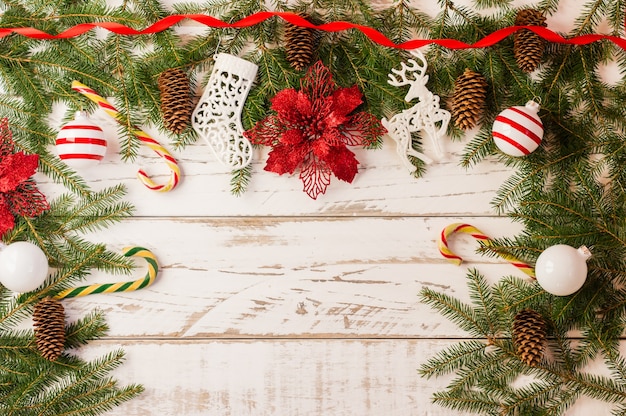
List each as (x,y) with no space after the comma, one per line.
(468,99)
(300,44)
(528,47)
(49,323)
(529,335)
(176,102)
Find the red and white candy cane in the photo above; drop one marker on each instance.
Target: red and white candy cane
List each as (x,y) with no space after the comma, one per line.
(458,227)
(141,135)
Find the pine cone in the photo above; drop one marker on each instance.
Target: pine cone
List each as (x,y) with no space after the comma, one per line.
(529,334)
(468,99)
(176,104)
(528,47)
(49,323)
(300,44)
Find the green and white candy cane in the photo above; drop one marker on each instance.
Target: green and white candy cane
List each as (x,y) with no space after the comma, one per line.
(150,277)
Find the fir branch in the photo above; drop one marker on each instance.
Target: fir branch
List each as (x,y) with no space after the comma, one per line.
(453,358)
(516,294)
(563,401)
(487,365)
(469,401)
(533,395)
(97,210)
(240,180)
(88,328)
(123,64)
(273,75)
(485,4)
(461,314)
(478,148)
(201,50)
(486,306)
(88,390)
(619,411)
(598,387)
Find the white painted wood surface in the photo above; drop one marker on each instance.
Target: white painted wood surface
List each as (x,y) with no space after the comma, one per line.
(274,304)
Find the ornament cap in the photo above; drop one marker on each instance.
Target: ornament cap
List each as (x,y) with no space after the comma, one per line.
(533,106)
(584,252)
(81,114)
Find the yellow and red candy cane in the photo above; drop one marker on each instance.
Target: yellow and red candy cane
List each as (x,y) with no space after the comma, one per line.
(147,280)
(141,135)
(458,227)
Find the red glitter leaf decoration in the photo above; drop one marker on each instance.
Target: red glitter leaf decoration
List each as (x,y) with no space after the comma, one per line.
(285,159)
(315,176)
(6,139)
(290,105)
(266,132)
(7,222)
(343,163)
(363,129)
(27,200)
(344,101)
(311,129)
(15,169)
(18,193)
(318,82)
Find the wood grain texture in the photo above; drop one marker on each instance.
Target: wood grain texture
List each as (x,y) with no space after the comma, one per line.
(291,276)
(286,377)
(382,187)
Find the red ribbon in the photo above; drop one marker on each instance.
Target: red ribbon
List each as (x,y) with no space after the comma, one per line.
(337,26)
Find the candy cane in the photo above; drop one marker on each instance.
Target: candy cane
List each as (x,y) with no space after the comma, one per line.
(142,135)
(153,269)
(458,227)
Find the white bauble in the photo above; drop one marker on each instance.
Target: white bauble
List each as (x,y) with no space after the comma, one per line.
(561,269)
(23,266)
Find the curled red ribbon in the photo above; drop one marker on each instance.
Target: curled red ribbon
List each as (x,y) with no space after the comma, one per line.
(337,26)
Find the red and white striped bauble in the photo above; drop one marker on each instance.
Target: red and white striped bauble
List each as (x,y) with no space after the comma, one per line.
(518,130)
(81,143)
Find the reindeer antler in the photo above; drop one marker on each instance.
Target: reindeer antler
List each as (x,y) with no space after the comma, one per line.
(412,67)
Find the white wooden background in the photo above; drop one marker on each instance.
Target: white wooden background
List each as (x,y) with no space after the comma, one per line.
(274,304)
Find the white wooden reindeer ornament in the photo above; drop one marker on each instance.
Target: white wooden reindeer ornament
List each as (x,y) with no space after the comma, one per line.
(424,115)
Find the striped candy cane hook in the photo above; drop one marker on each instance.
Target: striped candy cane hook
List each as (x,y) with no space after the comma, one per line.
(458,227)
(150,277)
(142,136)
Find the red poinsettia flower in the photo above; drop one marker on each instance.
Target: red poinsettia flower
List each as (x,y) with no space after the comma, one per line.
(18,193)
(311,129)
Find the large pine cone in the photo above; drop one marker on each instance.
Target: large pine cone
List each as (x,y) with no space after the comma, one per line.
(529,335)
(176,102)
(49,323)
(528,47)
(300,44)
(468,99)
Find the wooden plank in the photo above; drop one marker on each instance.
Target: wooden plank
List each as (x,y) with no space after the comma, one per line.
(286,377)
(382,187)
(283,277)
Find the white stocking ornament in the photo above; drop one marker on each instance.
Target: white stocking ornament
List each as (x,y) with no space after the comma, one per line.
(217,117)
(424,115)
